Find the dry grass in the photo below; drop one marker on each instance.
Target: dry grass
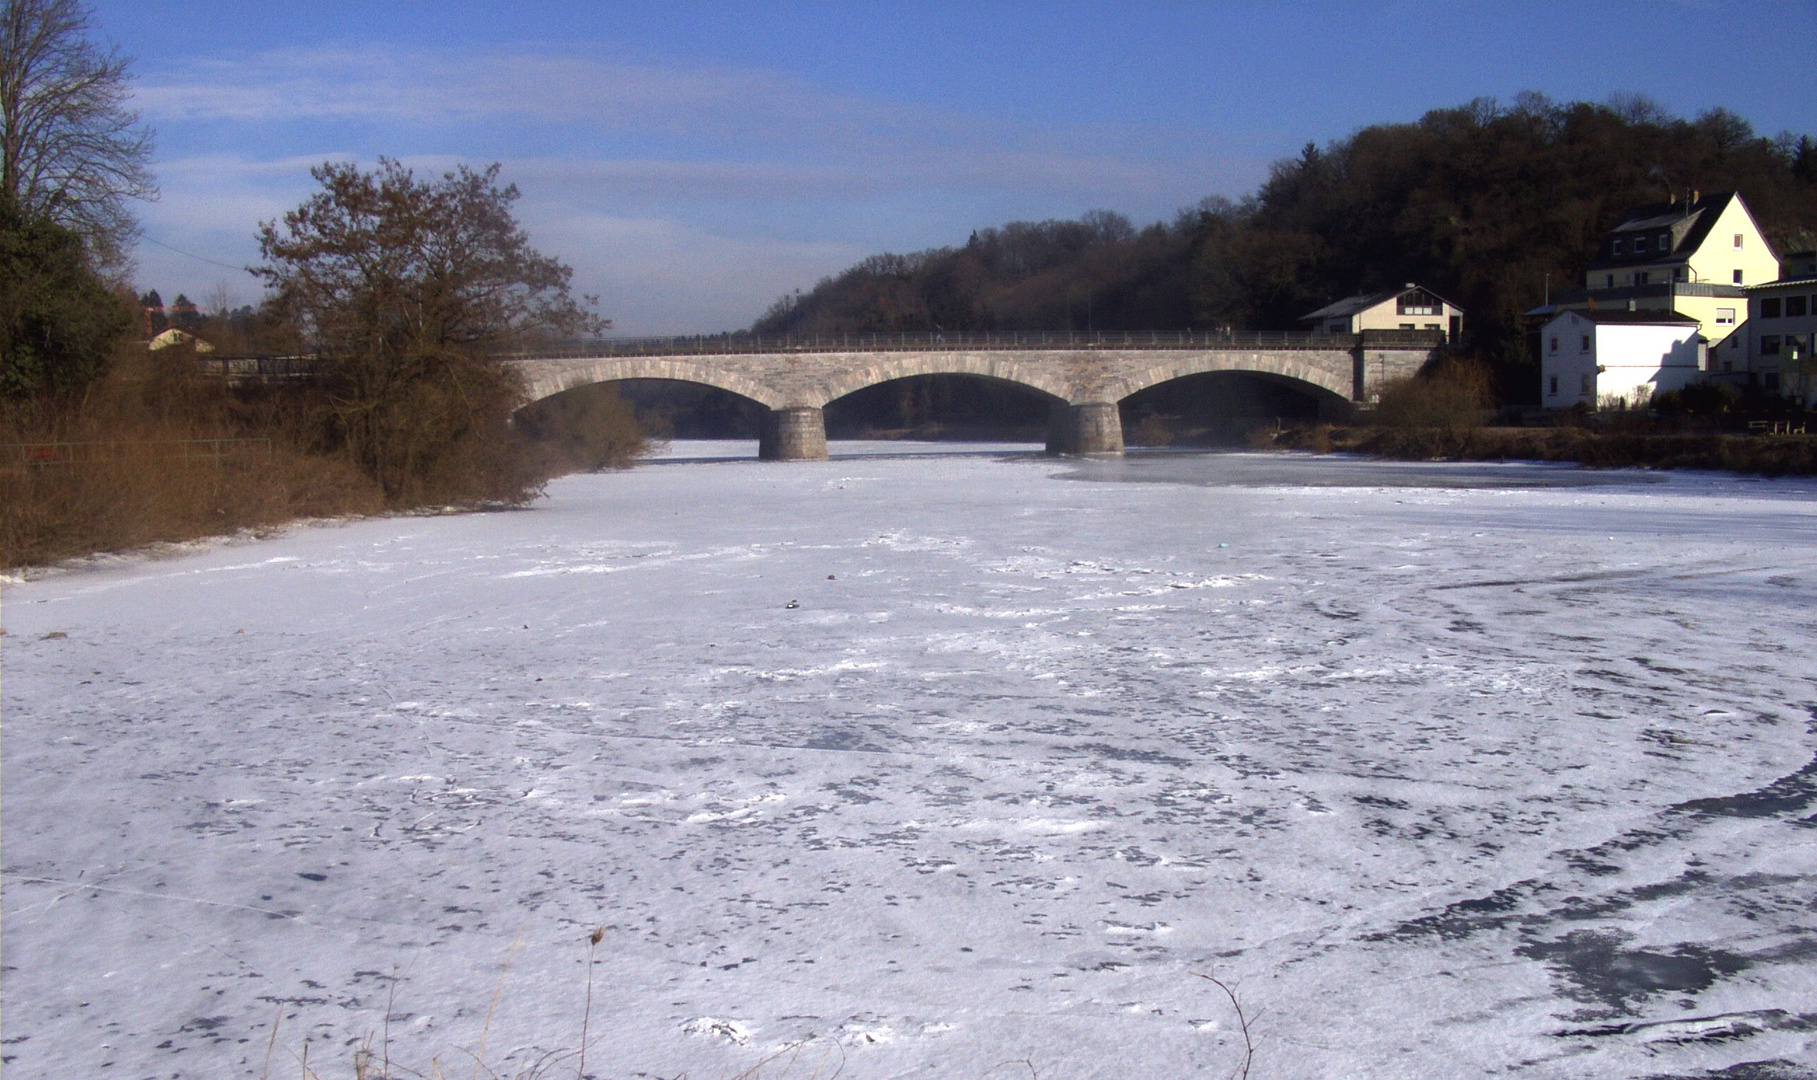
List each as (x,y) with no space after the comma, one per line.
(149,456)
(155,453)
(1762,455)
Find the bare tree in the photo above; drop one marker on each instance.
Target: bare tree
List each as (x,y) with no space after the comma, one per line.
(404,287)
(70,148)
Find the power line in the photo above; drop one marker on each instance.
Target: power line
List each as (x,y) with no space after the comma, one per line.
(190,254)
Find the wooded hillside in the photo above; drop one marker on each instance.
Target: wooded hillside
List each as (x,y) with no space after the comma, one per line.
(1482,203)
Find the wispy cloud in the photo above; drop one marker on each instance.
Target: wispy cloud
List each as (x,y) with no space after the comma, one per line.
(382,85)
(743,129)
(689,196)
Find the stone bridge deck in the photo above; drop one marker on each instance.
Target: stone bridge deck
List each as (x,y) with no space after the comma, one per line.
(1084,375)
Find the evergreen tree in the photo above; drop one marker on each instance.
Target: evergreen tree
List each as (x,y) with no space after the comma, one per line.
(59,320)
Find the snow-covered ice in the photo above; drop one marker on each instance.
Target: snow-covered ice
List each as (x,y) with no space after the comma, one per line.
(934,762)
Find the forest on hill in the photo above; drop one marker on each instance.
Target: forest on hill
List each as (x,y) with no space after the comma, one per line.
(1485,203)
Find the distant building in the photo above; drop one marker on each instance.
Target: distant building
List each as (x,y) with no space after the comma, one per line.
(1409,307)
(1693,257)
(1604,359)
(174,337)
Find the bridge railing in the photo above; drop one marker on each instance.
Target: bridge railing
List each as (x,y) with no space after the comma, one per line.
(265,368)
(975,340)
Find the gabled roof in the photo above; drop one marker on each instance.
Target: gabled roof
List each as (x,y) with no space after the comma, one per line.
(1350,305)
(1690,222)
(173,336)
(1803,281)
(1639,318)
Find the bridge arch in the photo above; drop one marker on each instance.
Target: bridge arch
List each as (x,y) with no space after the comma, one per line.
(1035,371)
(545,378)
(1315,371)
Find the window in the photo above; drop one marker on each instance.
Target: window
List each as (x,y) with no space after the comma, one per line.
(1737,241)
(1642,278)
(1417,303)
(1665,241)
(1640,244)
(1725,316)
(1678,273)
(1769,307)
(1552,386)
(1615,248)
(1608,281)
(1794,307)
(1588,386)
(1431,326)
(1407,326)
(1737,277)
(1585,347)
(1769,345)
(1553,346)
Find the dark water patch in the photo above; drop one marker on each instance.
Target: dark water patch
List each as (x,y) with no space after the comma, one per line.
(1466,917)
(1783,797)
(1600,970)
(1775,1069)
(1125,753)
(1720,1027)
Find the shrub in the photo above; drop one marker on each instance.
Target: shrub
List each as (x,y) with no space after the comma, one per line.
(1452,394)
(587,428)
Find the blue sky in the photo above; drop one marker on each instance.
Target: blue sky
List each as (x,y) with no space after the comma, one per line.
(692,162)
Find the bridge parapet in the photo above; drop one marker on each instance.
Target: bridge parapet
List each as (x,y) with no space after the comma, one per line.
(1085,375)
(975,340)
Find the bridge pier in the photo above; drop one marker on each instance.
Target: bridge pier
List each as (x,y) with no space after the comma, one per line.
(793,433)
(1092,428)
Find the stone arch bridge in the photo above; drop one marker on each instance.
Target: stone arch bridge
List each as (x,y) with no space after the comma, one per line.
(1084,375)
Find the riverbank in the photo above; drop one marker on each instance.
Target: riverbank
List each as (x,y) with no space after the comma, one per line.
(1762,455)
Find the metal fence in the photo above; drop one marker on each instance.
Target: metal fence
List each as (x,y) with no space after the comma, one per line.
(84,453)
(257,368)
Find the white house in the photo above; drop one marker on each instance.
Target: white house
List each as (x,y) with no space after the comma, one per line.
(1409,307)
(1617,358)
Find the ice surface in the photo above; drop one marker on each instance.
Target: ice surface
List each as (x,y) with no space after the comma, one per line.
(936,761)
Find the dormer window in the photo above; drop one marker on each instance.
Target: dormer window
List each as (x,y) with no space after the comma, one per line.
(1640,244)
(1737,241)
(1665,242)
(1615,248)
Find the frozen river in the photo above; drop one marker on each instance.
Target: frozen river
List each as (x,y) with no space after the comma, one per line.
(946,765)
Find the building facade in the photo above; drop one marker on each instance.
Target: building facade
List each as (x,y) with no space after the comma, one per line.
(1409,307)
(1695,257)
(1781,338)
(1617,359)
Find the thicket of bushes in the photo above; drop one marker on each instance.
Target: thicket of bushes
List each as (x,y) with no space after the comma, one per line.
(1442,416)
(106,445)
